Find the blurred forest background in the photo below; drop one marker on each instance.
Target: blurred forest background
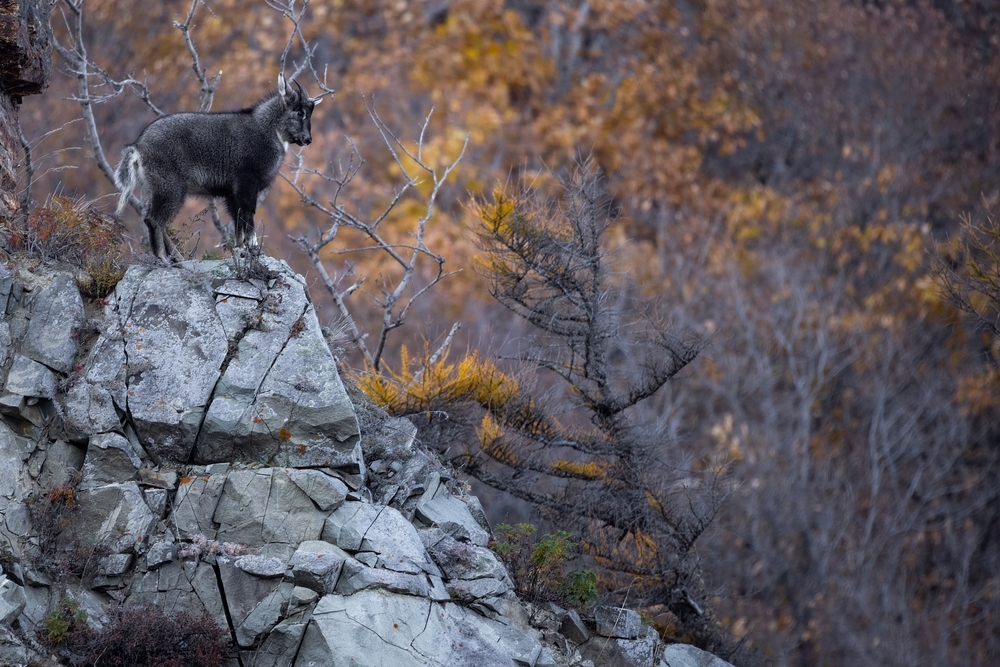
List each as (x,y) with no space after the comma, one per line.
(791,178)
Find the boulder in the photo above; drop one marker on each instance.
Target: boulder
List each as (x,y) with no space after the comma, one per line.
(6,342)
(375,627)
(395,438)
(573,628)
(62,463)
(87,408)
(114,565)
(280,647)
(388,442)
(316,565)
(359,526)
(346,527)
(453,517)
(115,516)
(370,629)
(12,600)
(264,616)
(195,504)
(181,586)
(110,459)
(233,428)
(13,651)
(160,553)
(156,499)
(291,515)
(37,607)
(244,593)
(111,571)
(456,635)
(618,652)
(439,592)
(160,479)
(280,399)
(263,506)
(471,590)
(304,383)
(546,659)
(327,492)
(241,507)
(685,655)
(14,481)
(54,324)
(617,622)
(265,567)
(462,560)
(30,378)
(91,605)
(356,576)
(302,597)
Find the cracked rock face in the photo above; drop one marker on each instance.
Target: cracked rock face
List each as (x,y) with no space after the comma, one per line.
(174,347)
(204,458)
(279,398)
(208,368)
(374,628)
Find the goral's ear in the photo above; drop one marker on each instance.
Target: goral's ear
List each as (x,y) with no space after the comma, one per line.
(316,100)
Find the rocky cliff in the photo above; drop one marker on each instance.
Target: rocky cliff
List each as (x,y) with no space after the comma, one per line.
(25,60)
(187,444)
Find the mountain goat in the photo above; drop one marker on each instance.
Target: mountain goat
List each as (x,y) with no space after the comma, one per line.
(234,155)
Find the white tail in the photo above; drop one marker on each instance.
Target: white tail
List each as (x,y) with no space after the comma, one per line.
(127,175)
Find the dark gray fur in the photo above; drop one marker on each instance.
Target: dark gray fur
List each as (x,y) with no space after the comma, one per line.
(232,155)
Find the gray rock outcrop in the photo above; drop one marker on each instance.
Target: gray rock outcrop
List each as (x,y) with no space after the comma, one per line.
(211,368)
(198,448)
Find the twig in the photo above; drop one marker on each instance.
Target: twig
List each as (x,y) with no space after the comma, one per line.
(208,84)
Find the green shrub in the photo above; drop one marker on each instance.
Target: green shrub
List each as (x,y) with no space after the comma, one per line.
(65,625)
(539,567)
(581,588)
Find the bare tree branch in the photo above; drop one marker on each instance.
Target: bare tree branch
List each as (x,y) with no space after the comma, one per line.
(287,9)
(208,84)
(399,293)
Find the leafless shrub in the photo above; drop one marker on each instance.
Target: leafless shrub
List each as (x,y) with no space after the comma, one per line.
(138,636)
(56,548)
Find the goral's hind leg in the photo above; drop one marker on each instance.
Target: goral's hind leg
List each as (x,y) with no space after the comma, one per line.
(163,207)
